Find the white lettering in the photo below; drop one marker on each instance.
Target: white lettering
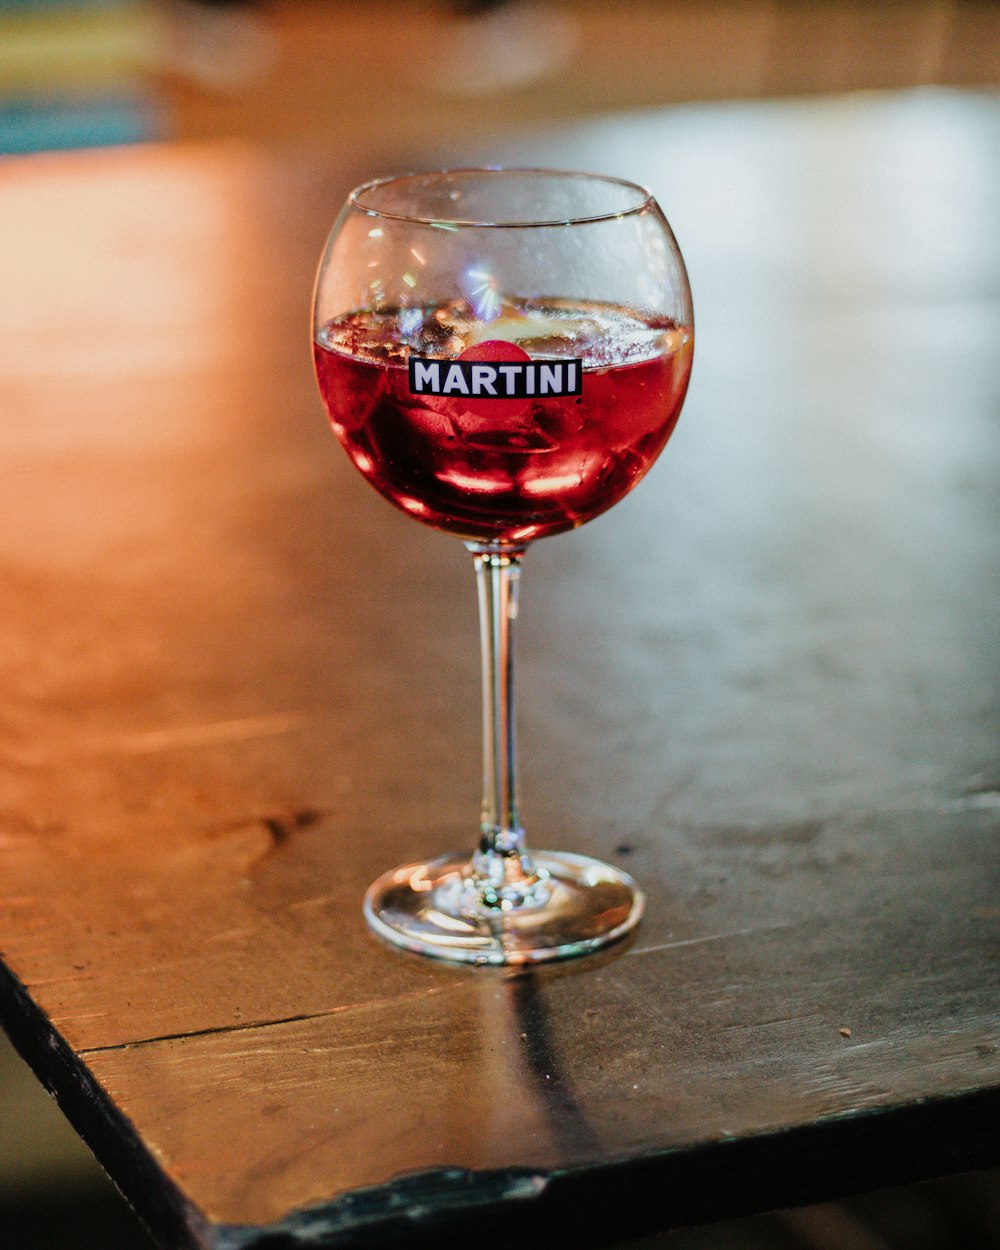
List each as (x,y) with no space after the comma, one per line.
(455,381)
(510,373)
(486,380)
(426,375)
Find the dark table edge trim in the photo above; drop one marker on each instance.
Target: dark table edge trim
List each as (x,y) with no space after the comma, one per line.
(172,1221)
(590,1205)
(595,1205)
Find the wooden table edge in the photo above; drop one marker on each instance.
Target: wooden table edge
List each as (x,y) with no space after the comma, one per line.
(590,1205)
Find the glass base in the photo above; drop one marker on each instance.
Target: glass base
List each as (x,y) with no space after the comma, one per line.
(442,908)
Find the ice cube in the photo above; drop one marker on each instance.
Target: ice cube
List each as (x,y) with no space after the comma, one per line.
(540,335)
(557,421)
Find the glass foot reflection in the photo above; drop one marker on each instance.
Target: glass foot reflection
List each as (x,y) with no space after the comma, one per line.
(570,905)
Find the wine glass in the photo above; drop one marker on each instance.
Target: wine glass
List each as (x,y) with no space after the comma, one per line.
(503,354)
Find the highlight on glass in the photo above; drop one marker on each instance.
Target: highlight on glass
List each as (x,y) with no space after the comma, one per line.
(503,354)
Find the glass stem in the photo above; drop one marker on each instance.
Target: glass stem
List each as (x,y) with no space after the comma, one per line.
(501,864)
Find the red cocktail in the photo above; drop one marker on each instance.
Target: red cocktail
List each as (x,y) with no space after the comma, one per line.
(495,468)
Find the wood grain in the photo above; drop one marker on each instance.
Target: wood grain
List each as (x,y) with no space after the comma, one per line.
(237,686)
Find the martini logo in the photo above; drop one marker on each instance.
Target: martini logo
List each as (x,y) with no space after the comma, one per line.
(496,370)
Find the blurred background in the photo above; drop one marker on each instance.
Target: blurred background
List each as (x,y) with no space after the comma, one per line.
(315,78)
(321,72)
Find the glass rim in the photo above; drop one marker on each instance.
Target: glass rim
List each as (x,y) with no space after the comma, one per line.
(645,198)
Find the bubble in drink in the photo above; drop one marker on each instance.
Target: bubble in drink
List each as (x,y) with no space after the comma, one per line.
(504,470)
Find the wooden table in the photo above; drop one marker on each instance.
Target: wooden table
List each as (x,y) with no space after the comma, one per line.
(237,685)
